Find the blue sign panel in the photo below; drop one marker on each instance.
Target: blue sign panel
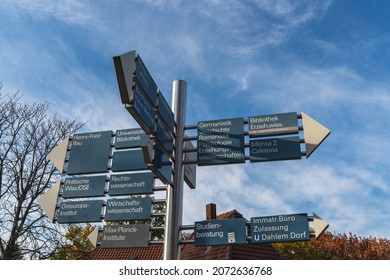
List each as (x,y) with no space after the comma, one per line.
(86,186)
(270,149)
(128,209)
(165,112)
(277,124)
(146,81)
(162,166)
(130,138)
(125,236)
(220,232)
(124,69)
(131,183)
(281,228)
(221,142)
(87,211)
(132,160)
(142,110)
(89,153)
(163,137)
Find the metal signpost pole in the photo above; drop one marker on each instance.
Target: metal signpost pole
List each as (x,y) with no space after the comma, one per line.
(175,193)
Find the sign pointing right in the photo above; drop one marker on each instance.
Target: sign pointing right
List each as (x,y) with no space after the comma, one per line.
(314,133)
(319,226)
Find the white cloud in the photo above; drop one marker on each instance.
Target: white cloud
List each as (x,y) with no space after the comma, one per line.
(68,11)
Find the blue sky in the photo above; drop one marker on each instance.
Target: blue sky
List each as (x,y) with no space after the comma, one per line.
(326,58)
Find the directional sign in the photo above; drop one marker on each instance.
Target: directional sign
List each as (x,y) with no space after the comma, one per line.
(131,183)
(314,133)
(142,110)
(164,137)
(128,209)
(319,226)
(89,153)
(125,68)
(276,124)
(269,149)
(48,201)
(85,186)
(86,211)
(220,232)
(143,77)
(125,236)
(57,154)
(190,169)
(165,111)
(137,89)
(131,160)
(162,165)
(281,228)
(221,142)
(130,138)
(157,161)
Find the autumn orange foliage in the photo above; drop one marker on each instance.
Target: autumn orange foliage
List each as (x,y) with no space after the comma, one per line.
(337,247)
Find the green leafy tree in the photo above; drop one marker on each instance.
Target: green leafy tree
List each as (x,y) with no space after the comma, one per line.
(77,245)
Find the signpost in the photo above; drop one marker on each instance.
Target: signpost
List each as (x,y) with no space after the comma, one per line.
(131,183)
(120,236)
(131,160)
(130,138)
(276,124)
(83,157)
(159,145)
(269,149)
(190,169)
(137,89)
(285,228)
(221,142)
(220,232)
(280,228)
(86,186)
(128,209)
(87,211)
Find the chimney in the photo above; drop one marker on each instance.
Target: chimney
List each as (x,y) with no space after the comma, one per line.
(211,211)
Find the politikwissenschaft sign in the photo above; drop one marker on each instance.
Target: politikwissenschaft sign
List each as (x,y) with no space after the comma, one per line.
(84,186)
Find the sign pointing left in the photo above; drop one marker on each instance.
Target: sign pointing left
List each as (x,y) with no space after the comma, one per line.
(58,154)
(48,201)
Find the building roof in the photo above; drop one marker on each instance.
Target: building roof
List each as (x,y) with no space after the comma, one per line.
(153,252)
(249,251)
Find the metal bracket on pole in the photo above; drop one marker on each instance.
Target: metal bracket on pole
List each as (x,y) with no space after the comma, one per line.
(148,151)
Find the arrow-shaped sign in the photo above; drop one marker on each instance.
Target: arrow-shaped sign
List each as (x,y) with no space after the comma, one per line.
(48,201)
(314,133)
(319,226)
(93,236)
(58,154)
(286,228)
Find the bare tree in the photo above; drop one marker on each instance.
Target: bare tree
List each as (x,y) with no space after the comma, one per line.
(27,134)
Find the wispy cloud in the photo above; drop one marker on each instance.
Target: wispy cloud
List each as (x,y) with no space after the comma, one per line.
(68,11)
